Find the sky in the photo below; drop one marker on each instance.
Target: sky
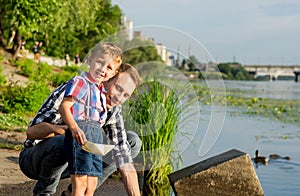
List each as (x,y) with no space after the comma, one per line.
(246,31)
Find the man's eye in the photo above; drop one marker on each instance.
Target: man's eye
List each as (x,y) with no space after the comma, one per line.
(118,88)
(99,63)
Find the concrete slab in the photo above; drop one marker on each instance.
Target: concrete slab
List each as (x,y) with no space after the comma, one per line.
(229,173)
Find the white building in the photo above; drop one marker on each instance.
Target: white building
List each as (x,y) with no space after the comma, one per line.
(165,55)
(128,24)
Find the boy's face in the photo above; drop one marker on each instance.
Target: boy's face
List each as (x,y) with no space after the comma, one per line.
(102,67)
(119,89)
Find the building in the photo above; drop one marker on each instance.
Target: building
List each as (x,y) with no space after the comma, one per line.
(165,55)
(128,25)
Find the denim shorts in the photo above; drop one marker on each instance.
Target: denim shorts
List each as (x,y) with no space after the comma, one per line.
(79,161)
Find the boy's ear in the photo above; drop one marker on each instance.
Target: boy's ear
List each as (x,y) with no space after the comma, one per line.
(115,73)
(88,59)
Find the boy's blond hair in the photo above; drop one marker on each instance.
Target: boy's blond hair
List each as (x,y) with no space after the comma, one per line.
(108,48)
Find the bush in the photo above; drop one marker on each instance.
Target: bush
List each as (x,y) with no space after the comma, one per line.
(60,78)
(26,66)
(18,99)
(12,122)
(2,78)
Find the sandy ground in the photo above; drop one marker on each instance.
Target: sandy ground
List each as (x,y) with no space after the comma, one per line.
(14,182)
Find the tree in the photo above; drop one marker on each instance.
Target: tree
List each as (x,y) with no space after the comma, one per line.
(85,23)
(64,26)
(193,63)
(23,19)
(234,71)
(140,51)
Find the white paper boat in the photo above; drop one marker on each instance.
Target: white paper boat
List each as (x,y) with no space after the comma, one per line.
(99,149)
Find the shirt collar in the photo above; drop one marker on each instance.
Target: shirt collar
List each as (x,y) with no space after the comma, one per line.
(90,80)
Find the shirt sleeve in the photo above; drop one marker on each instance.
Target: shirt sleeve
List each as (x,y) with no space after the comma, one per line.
(115,130)
(76,88)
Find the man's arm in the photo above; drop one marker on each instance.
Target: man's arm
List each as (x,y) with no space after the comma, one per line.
(45,130)
(115,130)
(130,179)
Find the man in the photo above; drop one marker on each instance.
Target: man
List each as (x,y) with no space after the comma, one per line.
(45,161)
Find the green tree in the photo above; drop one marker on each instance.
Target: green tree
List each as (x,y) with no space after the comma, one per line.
(23,19)
(234,71)
(64,26)
(193,63)
(84,23)
(140,51)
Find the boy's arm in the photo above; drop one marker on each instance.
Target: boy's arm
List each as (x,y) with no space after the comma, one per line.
(65,112)
(45,130)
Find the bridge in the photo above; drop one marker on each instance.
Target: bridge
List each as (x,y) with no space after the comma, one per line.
(274,71)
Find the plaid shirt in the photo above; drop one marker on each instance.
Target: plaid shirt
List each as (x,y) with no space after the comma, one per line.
(115,131)
(113,128)
(90,102)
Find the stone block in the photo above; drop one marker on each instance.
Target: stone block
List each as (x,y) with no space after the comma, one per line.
(229,173)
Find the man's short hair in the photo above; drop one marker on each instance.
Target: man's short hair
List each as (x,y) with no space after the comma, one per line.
(131,70)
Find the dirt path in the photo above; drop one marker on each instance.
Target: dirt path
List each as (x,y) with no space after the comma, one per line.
(14,182)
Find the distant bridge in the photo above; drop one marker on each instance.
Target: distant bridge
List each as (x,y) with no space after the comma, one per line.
(274,71)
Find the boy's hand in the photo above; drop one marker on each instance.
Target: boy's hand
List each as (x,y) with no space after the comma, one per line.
(79,136)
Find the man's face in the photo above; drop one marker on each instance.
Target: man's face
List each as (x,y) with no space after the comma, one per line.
(119,89)
(102,67)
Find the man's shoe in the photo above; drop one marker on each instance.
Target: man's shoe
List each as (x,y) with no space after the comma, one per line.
(67,192)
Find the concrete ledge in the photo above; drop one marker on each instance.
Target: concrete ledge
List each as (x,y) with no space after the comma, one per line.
(229,173)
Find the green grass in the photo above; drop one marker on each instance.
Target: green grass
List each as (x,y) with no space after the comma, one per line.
(11,146)
(155,114)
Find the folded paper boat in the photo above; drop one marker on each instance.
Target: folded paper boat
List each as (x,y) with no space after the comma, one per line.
(99,149)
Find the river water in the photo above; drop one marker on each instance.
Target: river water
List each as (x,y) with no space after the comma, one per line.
(248,133)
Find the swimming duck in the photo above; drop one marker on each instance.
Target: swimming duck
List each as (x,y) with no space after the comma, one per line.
(260,159)
(276,156)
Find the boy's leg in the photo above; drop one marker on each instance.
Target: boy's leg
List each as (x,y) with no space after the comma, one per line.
(91,185)
(109,166)
(79,184)
(44,162)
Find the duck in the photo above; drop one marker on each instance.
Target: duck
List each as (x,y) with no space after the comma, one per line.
(260,159)
(277,156)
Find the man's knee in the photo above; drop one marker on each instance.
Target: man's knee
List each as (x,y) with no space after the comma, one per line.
(135,143)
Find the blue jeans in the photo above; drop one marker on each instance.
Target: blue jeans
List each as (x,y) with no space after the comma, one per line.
(46,163)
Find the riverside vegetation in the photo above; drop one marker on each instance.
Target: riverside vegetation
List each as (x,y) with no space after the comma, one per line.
(20,103)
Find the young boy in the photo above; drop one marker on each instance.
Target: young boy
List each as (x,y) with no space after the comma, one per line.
(83,109)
